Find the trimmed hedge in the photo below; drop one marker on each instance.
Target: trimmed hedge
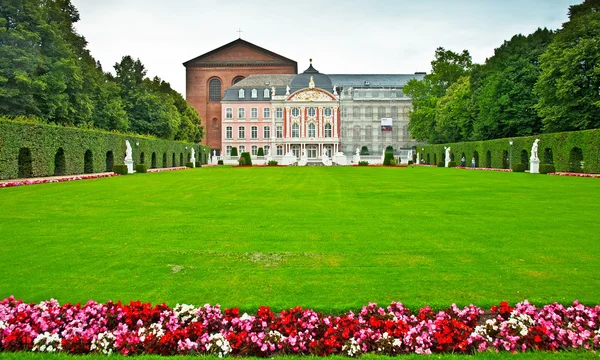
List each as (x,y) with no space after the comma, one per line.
(441,164)
(363,163)
(32,150)
(565,150)
(452,164)
(245,159)
(234,151)
(141,168)
(272,163)
(260,152)
(120,169)
(387,160)
(189,164)
(547,168)
(519,167)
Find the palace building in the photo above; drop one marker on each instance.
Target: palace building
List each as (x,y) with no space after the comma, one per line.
(310,115)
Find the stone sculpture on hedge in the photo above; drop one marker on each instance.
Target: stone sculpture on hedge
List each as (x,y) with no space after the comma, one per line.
(447,156)
(534,160)
(128,157)
(193,157)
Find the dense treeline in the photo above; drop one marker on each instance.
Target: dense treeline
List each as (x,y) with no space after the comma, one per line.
(544,82)
(47,73)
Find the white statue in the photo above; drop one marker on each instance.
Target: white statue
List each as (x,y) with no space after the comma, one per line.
(193,158)
(287,89)
(383,153)
(357,151)
(272,91)
(534,149)
(214,153)
(335,90)
(325,152)
(128,152)
(448,154)
(311,83)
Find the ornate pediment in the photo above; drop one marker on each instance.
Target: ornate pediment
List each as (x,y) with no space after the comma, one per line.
(311,95)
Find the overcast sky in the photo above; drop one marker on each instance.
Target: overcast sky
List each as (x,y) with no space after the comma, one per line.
(350,36)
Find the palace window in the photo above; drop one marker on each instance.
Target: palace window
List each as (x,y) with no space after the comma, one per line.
(254,94)
(241,94)
(237,80)
(266,132)
(266,93)
(312,130)
(279,150)
(328,130)
(295,112)
(229,132)
(228,150)
(279,132)
(369,111)
(254,150)
(295,131)
(241,113)
(279,113)
(394,112)
(356,112)
(241,132)
(242,149)
(229,113)
(344,113)
(312,151)
(266,113)
(328,112)
(356,133)
(267,148)
(368,133)
(312,111)
(254,113)
(254,132)
(214,90)
(381,111)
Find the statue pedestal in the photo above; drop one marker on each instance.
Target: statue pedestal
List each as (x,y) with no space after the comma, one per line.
(129,164)
(447,163)
(534,166)
(356,159)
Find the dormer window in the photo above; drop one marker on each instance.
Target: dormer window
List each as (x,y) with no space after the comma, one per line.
(241,94)
(254,93)
(267,93)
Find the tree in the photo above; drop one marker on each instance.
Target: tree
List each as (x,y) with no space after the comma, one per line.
(569,83)
(454,115)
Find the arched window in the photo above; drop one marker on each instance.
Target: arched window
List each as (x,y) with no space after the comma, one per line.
(254,93)
(312,111)
(229,132)
(295,112)
(328,130)
(241,94)
(295,131)
(328,112)
(215,124)
(312,130)
(237,79)
(214,90)
(266,93)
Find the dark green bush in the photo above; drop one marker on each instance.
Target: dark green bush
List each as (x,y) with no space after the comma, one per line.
(272,163)
(547,168)
(260,152)
(452,164)
(120,169)
(141,168)
(247,159)
(441,164)
(519,168)
(189,164)
(219,162)
(390,148)
(198,164)
(410,162)
(389,156)
(363,163)
(234,151)
(364,150)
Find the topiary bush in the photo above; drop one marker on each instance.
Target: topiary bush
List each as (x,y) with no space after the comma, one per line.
(141,168)
(364,150)
(363,163)
(389,156)
(547,168)
(198,164)
(519,168)
(247,159)
(441,164)
(272,163)
(393,162)
(189,164)
(219,162)
(120,169)
(410,162)
(233,152)
(260,152)
(452,164)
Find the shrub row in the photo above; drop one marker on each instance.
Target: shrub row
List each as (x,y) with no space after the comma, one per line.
(34,150)
(576,151)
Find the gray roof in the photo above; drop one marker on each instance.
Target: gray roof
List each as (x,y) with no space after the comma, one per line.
(321,81)
(259,80)
(375,80)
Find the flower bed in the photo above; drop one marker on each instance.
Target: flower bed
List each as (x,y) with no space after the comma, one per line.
(54,180)
(140,328)
(483,169)
(595,176)
(167,169)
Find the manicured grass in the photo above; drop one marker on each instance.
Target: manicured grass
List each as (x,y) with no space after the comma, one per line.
(332,239)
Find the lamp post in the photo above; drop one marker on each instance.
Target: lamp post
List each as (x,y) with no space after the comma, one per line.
(510,155)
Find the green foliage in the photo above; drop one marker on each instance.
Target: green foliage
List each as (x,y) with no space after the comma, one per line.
(260,152)
(120,169)
(272,163)
(219,162)
(454,114)
(519,167)
(441,164)
(389,156)
(393,162)
(234,152)
(43,144)
(189,164)
(452,164)
(568,84)
(245,159)
(141,168)
(364,150)
(363,163)
(568,150)
(547,168)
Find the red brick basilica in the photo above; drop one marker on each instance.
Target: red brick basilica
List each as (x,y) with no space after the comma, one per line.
(210,74)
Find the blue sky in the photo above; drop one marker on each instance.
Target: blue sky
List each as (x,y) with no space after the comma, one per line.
(350,36)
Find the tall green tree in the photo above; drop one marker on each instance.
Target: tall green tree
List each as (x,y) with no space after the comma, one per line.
(569,84)
(454,113)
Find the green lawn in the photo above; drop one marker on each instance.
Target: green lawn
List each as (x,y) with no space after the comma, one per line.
(332,239)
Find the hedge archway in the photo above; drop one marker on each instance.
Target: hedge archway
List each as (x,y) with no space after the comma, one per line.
(548,158)
(476,156)
(173,161)
(504,159)
(434,159)
(110,161)
(88,162)
(142,158)
(180,159)
(153,163)
(428,160)
(60,164)
(25,165)
(575,160)
(525,158)
(164,164)
(488,159)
